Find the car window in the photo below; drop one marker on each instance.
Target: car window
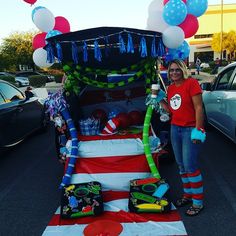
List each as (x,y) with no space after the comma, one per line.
(10,93)
(233,85)
(224,78)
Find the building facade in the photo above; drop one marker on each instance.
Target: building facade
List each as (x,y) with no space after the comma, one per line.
(217,18)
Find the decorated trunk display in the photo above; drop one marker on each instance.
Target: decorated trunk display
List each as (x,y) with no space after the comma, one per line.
(110,70)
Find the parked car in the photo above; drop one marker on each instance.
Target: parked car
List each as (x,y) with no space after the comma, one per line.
(6,74)
(204,65)
(19,116)
(22,77)
(219,100)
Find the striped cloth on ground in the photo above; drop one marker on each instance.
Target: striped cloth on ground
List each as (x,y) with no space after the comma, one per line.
(114,173)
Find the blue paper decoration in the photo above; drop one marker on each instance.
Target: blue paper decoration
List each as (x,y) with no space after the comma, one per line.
(50,53)
(130,46)
(74,148)
(97,51)
(59,52)
(153,50)
(121,44)
(74,50)
(143,47)
(106,47)
(174,12)
(85,52)
(56,104)
(161,48)
(196,7)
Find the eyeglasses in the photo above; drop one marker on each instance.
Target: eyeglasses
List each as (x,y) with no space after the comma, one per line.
(175,70)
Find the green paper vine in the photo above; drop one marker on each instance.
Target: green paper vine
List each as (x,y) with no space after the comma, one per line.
(146,69)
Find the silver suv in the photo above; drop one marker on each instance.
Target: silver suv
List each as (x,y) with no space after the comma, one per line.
(219,100)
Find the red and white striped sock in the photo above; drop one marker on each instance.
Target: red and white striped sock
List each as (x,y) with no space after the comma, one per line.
(196,183)
(186,186)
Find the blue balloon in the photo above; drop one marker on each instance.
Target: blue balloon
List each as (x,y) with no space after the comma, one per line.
(34,11)
(174,12)
(52,33)
(182,52)
(197,7)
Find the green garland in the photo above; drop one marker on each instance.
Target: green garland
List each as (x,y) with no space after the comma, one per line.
(146,68)
(104,72)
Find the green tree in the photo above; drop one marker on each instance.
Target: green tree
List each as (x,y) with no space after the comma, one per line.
(17,50)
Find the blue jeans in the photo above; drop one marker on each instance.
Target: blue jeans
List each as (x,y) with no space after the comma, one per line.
(186,152)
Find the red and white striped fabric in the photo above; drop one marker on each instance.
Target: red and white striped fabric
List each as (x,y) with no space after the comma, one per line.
(114,173)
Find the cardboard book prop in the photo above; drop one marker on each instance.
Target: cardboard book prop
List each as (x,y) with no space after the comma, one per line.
(80,200)
(149,195)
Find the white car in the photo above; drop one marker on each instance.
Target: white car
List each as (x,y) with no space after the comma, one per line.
(22,77)
(219,100)
(204,65)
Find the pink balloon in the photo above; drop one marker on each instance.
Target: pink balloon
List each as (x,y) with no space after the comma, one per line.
(165,1)
(30,1)
(62,24)
(39,40)
(189,25)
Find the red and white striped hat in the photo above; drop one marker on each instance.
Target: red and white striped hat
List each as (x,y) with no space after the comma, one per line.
(111,126)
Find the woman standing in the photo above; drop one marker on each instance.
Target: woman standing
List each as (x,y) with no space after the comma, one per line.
(184,97)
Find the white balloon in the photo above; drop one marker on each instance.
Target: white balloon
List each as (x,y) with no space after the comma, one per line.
(40,58)
(44,19)
(156,22)
(173,37)
(155,5)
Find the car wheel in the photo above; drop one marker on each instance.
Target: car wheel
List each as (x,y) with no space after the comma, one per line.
(45,122)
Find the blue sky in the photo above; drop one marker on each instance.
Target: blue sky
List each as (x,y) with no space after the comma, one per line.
(16,14)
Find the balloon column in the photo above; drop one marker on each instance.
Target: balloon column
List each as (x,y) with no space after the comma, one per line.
(177,20)
(49,26)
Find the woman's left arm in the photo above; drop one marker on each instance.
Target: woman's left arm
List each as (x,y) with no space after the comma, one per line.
(198,107)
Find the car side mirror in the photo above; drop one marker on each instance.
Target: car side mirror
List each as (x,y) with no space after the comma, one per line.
(206,86)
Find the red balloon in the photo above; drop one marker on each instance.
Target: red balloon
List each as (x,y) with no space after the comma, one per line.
(39,40)
(101,115)
(124,120)
(62,24)
(135,117)
(189,25)
(30,1)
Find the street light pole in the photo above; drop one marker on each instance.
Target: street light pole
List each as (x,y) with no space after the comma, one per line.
(221,31)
